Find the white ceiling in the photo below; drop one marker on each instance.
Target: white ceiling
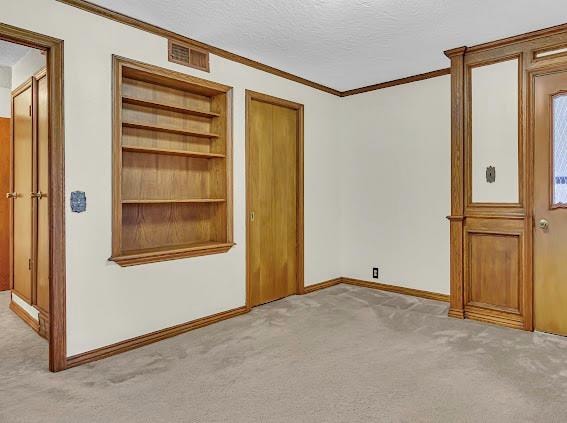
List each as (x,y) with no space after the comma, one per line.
(10,53)
(346,44)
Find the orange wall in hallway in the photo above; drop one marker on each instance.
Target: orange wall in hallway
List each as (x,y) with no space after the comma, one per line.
(4,203)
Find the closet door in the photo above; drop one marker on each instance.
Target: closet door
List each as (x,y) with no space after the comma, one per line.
(40,195)
(22,185)
(273,144)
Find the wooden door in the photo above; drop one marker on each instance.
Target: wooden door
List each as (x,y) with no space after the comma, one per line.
(4,204)
(22,186)
(41,193)
(273,187)
(550,203)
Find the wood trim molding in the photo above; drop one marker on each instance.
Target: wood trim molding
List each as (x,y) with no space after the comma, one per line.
(57,297)
(528,36)
(395,82)
(156,30)
(162,32)
(21,313)
(322,285)
(397,289)
(152,337)
(457,218)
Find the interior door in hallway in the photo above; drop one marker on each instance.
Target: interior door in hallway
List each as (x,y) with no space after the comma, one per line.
(22,187)
(273,145)
(550,203)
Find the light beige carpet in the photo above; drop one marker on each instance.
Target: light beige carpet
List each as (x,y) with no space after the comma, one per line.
(344,354)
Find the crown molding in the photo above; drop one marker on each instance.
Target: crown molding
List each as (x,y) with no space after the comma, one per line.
(401,81)
(153,29)
(156,30)
(459,51)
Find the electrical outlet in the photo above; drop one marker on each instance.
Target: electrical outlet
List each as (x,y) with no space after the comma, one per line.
(375,272)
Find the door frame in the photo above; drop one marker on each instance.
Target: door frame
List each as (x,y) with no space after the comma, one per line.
(57,297)
(250,96)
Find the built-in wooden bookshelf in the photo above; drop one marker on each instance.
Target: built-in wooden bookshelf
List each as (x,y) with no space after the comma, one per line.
(172,172)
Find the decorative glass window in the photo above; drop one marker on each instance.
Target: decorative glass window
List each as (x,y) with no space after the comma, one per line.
(559,181)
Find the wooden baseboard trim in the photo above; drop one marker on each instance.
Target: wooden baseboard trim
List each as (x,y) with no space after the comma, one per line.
(397,289)
(322,285)
(494,319)
(21,313)
(150,338)
(457,314)
(140,341)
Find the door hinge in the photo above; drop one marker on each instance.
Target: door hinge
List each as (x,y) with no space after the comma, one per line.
(29,264)
(30,110)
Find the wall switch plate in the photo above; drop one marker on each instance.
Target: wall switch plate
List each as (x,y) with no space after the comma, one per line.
(375,273)
(78,202)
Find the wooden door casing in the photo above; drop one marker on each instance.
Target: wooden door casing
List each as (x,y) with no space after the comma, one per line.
(550,248)
(4,204)
(41,179)
(22,185)
(274,155)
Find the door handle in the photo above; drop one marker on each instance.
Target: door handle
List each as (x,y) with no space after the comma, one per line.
(543,224)
(39,195)
(11,195)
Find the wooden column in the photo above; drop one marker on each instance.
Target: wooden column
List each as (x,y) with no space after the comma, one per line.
(457,180)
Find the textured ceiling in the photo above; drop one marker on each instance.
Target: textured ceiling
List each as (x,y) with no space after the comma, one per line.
(10,53)
(345,44)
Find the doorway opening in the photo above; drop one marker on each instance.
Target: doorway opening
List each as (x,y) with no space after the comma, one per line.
(32,251)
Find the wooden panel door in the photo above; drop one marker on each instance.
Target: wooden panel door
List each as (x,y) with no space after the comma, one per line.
(273,140)
(4,204)
(550,203)
(22,186)
(41,193)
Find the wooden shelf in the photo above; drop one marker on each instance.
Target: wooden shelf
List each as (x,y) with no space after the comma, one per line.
(176,201)
(168,107)
(168,152)
(169,129)
(152,255)
(173,194)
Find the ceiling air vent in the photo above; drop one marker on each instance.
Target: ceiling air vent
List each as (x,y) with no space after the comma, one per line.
(188,55)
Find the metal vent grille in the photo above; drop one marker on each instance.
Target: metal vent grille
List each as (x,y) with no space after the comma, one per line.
(180,53)
(187,55)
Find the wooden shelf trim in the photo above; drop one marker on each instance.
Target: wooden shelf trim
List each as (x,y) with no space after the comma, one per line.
(169,152)
(168,107)
(176,201)
(169,129)
(131,258)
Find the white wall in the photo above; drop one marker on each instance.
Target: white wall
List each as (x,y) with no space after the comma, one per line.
(27,66)
(107,303)
(495,132)
(5,91)
(395,182)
